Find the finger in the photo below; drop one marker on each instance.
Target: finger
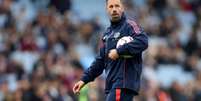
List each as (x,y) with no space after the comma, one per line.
(109,55)
(114,58)
(75,88)
(78,89)
(111,58)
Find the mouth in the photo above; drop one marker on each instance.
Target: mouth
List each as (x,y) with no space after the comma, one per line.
(115,14)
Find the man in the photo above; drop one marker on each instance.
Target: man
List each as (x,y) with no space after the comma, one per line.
(123,65)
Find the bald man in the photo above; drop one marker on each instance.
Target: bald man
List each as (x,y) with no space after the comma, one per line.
(122,64)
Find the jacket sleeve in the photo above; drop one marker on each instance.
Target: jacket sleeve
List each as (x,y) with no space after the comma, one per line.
(96,67)
(138,45)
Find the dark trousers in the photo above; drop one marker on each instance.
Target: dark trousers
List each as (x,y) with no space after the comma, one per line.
(120,94)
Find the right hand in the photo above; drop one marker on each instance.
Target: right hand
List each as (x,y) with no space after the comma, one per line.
(113,54)
(78,86)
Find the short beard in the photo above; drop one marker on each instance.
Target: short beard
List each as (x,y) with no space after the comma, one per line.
(115,19)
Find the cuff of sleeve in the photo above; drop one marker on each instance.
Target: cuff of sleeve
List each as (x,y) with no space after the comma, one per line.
(85,80)
(120,50)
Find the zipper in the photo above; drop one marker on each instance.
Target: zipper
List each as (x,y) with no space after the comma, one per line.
(124,74)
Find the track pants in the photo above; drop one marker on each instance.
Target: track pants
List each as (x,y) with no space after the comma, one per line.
(120,94)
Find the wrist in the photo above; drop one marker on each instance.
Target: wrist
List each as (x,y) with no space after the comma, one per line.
(82,82)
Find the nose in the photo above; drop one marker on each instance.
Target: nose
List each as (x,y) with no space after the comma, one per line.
(114,10)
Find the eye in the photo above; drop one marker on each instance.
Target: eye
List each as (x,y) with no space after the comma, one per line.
(111,6)
(117,5)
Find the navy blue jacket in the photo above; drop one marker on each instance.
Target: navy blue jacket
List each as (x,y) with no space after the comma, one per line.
(123,72)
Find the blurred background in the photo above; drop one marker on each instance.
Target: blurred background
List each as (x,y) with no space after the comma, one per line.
(46,44)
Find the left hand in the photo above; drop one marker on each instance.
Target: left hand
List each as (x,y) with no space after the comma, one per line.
(78,86)
(113,54)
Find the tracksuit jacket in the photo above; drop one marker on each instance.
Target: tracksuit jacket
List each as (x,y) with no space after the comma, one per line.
(125,72)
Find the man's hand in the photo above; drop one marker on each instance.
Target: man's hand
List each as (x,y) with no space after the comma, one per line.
(113,54)
(78,86)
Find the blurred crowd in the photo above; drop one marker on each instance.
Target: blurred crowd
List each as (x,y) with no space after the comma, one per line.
(45,46)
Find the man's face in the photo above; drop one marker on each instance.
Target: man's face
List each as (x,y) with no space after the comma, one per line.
(114,9)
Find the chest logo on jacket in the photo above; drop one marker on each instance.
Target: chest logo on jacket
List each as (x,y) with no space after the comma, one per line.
(116,35)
